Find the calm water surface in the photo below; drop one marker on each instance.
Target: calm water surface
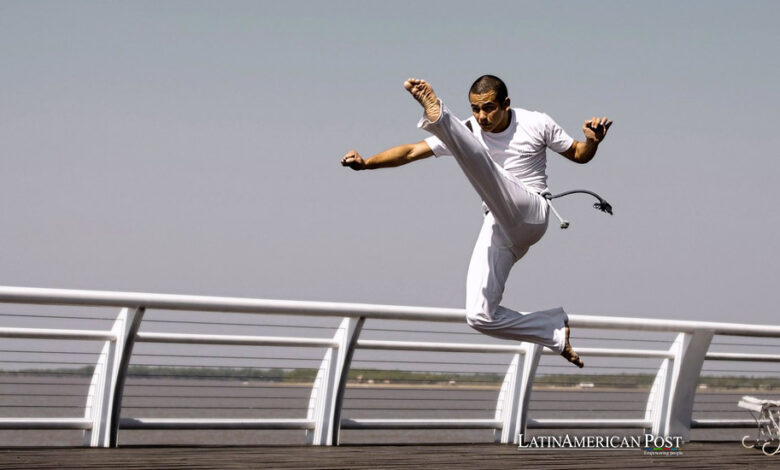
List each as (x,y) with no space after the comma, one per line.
(36,396)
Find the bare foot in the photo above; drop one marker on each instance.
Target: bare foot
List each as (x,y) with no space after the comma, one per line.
(423,92)
(569,354)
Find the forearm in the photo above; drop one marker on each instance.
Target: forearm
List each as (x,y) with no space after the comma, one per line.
(585,151)
(391,157)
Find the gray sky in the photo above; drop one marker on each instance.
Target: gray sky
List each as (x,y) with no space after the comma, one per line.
(193,147)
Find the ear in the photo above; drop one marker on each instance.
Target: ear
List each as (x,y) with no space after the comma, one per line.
(506,103)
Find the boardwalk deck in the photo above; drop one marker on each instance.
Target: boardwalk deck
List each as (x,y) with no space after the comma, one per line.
(695,455)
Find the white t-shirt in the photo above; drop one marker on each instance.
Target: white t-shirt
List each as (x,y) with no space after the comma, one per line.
(520,148)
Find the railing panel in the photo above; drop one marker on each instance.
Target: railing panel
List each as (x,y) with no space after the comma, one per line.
(204,363)
(610,395)
(734,366)
(252,384)
(45,372)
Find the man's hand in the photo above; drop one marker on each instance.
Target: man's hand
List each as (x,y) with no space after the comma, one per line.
(595,129)
(353,160)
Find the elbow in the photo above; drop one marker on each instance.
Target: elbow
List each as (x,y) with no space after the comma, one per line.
(585,151)
(584,156)
(410,154)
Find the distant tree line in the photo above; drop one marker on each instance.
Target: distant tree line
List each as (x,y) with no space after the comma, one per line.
(377,376)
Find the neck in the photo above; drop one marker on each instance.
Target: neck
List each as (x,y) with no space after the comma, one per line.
(505,123)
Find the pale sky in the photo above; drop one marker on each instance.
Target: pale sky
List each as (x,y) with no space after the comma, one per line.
(193,147)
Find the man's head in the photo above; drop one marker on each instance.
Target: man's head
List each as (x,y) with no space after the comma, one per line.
(490,103)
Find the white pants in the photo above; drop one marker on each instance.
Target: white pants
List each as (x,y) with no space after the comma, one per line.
(517,219)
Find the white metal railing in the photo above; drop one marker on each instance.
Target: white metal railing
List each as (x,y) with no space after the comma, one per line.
(668,410)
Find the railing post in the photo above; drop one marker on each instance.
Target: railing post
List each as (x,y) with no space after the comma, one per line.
(508,399)
(658,400)
(512,405)
(128,341)
(96,409)
(328,390)
(107,381)
(515,394)
(693,349)
(530,363)
(675,387)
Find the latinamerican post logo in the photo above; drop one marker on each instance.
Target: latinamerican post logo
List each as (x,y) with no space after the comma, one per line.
(648,443)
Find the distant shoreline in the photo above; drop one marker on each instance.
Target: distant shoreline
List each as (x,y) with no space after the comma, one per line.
(400,384)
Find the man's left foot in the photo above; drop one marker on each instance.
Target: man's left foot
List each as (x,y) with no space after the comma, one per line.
(569,354)
(422,91)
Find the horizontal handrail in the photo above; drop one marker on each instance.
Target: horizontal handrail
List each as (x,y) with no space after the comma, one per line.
(45,423)
(490,348)
(40,296)
(681,326)
(607,352)
(421,424)
(203,423)
(233,340)
(448,347)
(719,356)
(725,423)
(27,295)
(588,423)
(49,333)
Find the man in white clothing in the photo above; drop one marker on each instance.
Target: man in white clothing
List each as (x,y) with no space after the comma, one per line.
(502,152)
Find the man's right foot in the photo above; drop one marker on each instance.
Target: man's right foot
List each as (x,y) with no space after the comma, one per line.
(569,354)
(423,92)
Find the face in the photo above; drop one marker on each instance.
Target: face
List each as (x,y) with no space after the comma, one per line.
(491,115)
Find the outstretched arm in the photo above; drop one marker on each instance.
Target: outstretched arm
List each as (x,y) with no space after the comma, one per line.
(595,130)
(391,157)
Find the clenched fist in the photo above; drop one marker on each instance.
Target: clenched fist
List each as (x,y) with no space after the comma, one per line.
(595,129)
(353,160)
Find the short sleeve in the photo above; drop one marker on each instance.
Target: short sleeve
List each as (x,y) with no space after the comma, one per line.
(437,146)
(555,137)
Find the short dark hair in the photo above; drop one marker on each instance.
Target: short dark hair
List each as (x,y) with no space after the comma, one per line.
(488,83)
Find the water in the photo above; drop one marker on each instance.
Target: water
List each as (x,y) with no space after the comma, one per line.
(41,396)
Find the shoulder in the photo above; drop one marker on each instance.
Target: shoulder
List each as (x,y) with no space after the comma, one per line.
(532,120)
(532,117)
